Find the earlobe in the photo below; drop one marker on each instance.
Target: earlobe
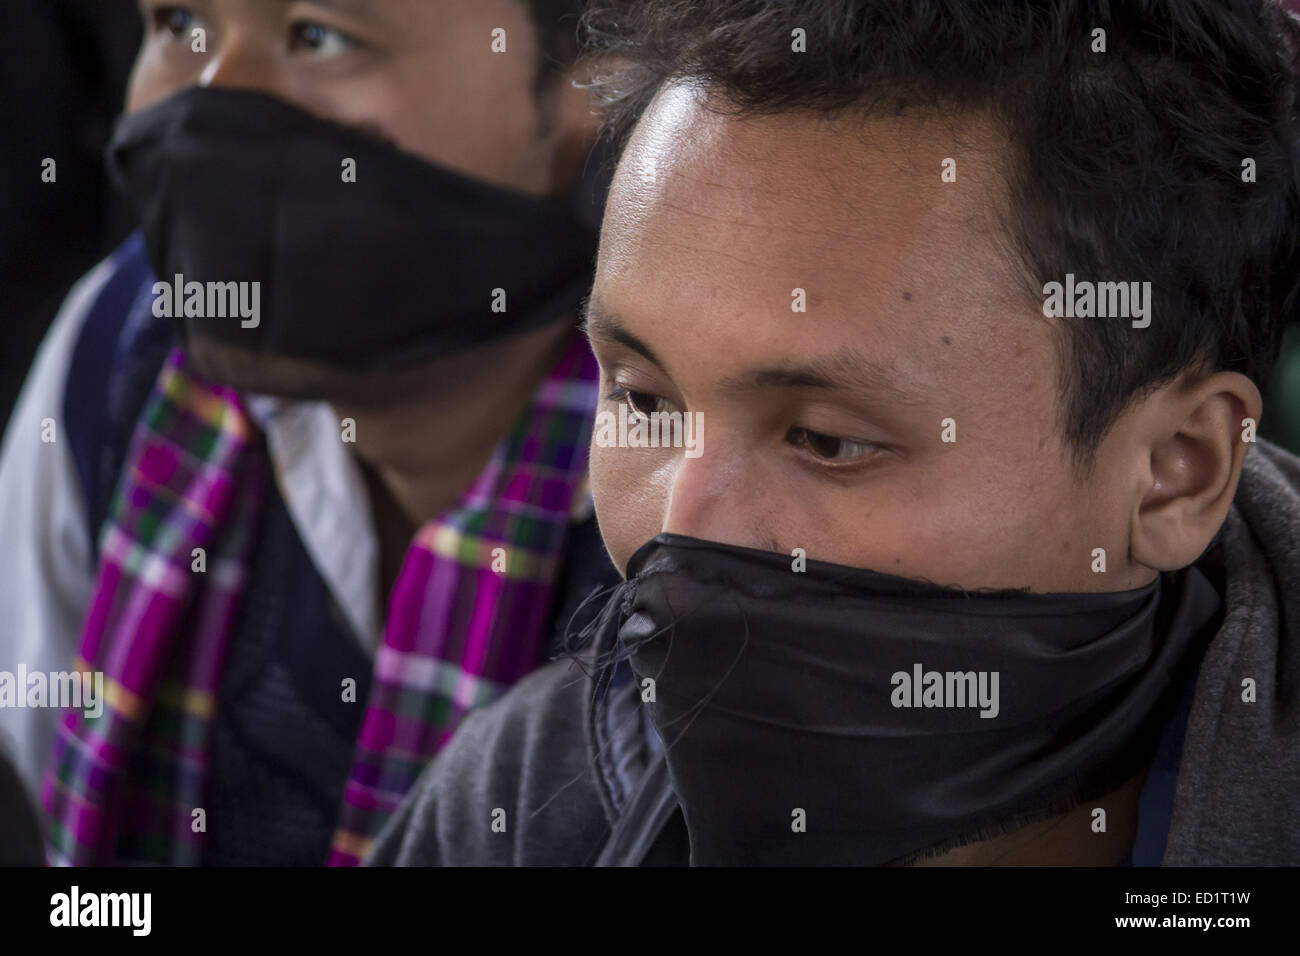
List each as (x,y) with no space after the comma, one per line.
(1201,434)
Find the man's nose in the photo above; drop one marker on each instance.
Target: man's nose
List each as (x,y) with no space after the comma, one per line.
(240,62)
(713,497)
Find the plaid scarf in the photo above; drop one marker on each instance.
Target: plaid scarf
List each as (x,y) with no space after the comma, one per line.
(465,620)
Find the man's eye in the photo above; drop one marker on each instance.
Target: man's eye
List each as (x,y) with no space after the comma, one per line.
(638,403)
(177,22)
(828,447)
(318,40)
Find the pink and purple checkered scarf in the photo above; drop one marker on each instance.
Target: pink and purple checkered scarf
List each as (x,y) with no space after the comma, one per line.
(128,786)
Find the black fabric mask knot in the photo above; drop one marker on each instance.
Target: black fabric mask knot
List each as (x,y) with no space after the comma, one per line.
(795,731)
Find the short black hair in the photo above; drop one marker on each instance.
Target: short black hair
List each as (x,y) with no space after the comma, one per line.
(1126,164)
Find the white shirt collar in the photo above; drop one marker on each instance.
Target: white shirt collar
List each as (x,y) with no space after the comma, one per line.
(324,491)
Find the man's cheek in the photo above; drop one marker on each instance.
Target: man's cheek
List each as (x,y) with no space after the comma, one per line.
(145,87)
(153,79)
(627,514)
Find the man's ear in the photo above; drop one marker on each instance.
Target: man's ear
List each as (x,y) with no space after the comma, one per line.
(1200,431)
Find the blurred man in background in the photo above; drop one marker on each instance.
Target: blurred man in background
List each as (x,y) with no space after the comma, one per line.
(301,468)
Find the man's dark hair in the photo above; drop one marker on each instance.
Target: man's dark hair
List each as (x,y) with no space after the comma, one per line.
(1126,165)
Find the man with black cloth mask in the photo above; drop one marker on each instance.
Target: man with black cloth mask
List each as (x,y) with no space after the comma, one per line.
(302,467)
(954,577)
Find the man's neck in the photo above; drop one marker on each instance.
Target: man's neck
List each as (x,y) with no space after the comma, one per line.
(1068,839)
(422,453)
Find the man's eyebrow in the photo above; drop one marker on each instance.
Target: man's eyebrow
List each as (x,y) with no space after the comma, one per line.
(597,323)
(844,368)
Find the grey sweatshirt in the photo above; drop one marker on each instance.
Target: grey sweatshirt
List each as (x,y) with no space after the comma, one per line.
(541,776)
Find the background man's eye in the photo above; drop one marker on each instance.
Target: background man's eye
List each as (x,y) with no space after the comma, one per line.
(318,40)
(828,447)
(174,21)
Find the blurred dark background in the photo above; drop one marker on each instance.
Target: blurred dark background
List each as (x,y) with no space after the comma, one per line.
(63,72)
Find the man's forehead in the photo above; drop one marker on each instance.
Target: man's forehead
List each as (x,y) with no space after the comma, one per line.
(807,231)
(855,210)
(832,172)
